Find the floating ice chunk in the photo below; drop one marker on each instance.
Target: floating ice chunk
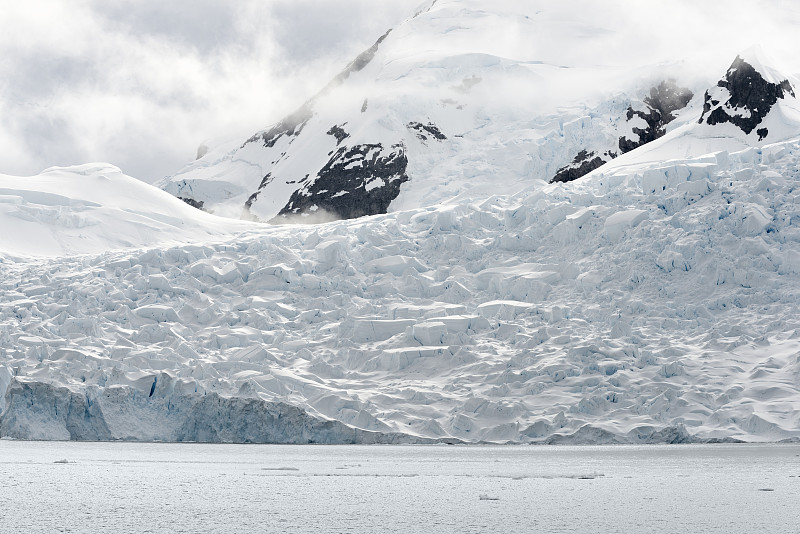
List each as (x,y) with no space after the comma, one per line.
(280,469)
(616,225)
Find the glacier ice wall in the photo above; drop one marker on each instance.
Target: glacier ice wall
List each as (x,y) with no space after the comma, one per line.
(646,302)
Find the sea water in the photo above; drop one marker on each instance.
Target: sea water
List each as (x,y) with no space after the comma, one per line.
(152,487)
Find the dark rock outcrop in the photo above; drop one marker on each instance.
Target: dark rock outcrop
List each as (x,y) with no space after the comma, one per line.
(743,98)
(665,98)
(424,130)
(356,181)
(292,125)
(192,202)
(584,163)
(338,132)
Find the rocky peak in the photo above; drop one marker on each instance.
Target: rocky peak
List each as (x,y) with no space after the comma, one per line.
(664,99)
(744,97)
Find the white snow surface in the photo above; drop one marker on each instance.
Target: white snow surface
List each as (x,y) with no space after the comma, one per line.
(92,208)
(658,305)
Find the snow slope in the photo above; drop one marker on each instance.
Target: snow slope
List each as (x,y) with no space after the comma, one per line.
(88,209)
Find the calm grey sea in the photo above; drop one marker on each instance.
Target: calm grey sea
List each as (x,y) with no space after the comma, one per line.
(130,487)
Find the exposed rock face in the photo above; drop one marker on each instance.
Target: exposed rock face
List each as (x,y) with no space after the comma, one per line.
(584,163)
(664,99)
(743,98)
(423,131)
(339,133)
(290,126)
(356,181)
(294,123)
(192,202)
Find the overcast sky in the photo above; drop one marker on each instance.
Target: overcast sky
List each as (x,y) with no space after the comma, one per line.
(141,83)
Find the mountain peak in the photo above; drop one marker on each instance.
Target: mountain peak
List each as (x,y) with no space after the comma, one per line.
(756,57)
(746,94)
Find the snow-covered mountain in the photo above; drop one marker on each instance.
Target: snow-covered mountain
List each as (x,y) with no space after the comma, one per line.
(615,262)
(456,92)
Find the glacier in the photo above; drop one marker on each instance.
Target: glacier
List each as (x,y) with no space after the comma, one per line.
(604,310)
(652,299)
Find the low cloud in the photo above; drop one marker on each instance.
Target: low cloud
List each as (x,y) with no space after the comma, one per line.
(142,83)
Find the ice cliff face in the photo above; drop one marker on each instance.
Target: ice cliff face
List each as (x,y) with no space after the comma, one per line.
(173,410)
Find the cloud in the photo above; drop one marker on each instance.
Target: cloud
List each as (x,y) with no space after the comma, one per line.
(141,83)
